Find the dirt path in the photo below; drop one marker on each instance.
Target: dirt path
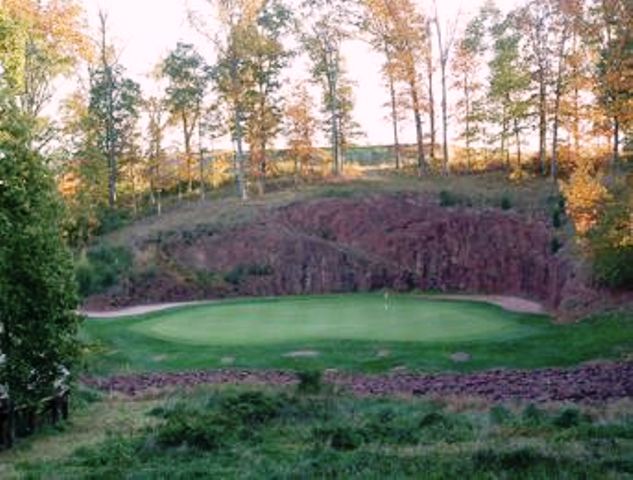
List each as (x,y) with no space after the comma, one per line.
(513,304)
(588,383)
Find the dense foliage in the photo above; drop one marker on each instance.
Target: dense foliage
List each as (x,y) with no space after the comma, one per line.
(37,290)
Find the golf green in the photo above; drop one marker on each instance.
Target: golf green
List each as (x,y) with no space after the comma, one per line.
(399,318)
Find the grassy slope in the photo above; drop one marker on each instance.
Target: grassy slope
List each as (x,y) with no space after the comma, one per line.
(263,434)
(116,346)
(222,209)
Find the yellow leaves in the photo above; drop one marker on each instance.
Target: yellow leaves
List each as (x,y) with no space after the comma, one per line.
(584,194)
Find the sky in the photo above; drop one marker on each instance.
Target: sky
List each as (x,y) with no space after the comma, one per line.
(144,31)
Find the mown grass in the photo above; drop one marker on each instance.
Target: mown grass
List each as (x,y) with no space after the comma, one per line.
(220,433)
(115,346)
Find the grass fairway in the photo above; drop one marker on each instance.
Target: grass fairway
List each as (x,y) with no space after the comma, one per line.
(349,332)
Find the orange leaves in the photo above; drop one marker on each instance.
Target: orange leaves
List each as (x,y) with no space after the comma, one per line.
(585,194)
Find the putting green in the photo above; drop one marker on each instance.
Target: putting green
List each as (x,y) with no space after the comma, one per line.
(401,318)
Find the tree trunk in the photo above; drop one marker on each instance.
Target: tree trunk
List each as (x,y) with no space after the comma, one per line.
(394,114)
(518,141)
(241,181)
(542,130)
(445,161)
(558,94)
(110,140)
(467,100)
(429,68)
(334,121)
(187,138)
(418,129)
(616,144)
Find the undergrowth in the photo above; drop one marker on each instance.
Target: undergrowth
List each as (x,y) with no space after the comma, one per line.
(284,434)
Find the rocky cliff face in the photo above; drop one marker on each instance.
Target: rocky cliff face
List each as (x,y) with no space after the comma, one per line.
(355,244)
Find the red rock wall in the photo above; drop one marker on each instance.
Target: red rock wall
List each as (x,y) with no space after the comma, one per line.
(351,244)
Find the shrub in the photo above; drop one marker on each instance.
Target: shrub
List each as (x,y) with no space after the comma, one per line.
(111,219)
(310,381)
(249,408)
(568,418)
(506,202)
(555,245)
(339,437)
(532,415)
(448,199)
(612,244)
(500,414)
(237,275)
(198,431)
(101,268)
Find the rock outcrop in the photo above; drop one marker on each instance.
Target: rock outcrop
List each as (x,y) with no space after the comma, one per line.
(399,242)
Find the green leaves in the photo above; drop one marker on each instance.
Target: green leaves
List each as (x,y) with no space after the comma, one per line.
(37,290)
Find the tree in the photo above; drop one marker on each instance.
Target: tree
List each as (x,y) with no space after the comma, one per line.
(445,39)
(404,29)
(156,110)
(613,31)
(466,67)
(37,290)
(188,78)
(300,130)
(114,108)
(41,41)
(231,73)
(535,20)
(377,23)
(326,26)
(509,82)
(267,57)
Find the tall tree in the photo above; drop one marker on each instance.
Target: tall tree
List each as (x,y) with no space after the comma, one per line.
(188,77)
(326,25)
(42,41)
(536,22)
(467,65)
(267,58)
(300,130)
(409,44)
(232,72)
(445,39)
(376,21)
(509,82)
(613,30)
(156,110)
(37,289)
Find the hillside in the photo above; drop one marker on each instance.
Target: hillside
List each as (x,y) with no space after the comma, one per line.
(467,234)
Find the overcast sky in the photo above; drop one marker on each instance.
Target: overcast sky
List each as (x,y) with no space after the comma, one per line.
(145,30)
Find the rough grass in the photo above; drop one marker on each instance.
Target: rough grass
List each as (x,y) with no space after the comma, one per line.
(117,346)
(220,433)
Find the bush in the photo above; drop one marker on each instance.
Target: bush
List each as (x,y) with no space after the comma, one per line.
(310,381)
(555,245)
(111,219)
(339,437)
(447,199)
(568,418)
(506,202)
(101,268)
(199,431)
(611,241)
(532,415)
(249,408)
(237,275)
